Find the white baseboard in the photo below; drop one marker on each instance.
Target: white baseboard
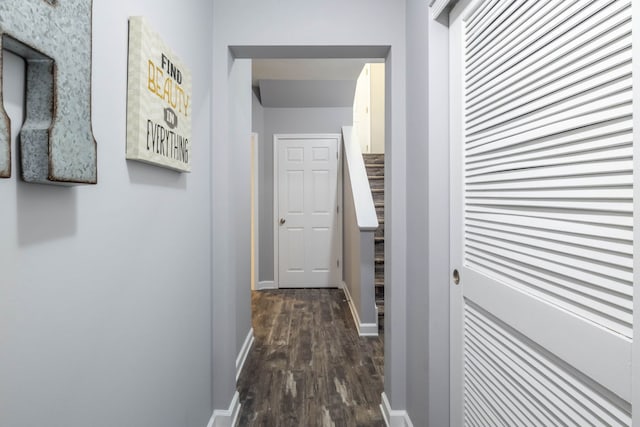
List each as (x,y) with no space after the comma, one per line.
(266,284)
(244,353)
(226,417)
(364,329)
(393,417)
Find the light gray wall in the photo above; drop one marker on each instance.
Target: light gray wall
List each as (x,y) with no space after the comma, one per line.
(427,219)
(257,117)
(105,292)
(287,120)
(307,93)
(240,162)
(358,255)
(339,26)
(351,238)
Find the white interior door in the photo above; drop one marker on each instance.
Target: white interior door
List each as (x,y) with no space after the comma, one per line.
(542,212)
(308,227)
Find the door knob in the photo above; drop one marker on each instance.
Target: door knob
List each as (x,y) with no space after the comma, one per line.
(282,221)
(456,277)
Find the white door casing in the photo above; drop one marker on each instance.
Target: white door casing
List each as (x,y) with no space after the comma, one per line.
(542,212)
(307,196)
(255,213)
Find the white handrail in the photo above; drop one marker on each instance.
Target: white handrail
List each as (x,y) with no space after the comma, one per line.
(366,216)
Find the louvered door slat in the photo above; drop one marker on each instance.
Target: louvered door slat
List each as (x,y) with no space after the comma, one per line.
(594,46)
(598,134)
(495,23)
(615,153)
(541,19)
(607,38)
(501,140)
(580,169)
(520,16)
(498,385)
(596,91)
(618,262)
(480,14)
(544,376)
(551,151)
(479,363)
(618,224)
(559,31)
(601,236)
(609,249)
(560,265)
(488,352)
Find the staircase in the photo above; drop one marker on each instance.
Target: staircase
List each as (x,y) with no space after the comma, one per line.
(375,171)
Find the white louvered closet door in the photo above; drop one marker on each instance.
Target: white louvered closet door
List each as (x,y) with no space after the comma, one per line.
(542,212)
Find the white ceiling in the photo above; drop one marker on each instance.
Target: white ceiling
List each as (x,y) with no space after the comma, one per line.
(299,83)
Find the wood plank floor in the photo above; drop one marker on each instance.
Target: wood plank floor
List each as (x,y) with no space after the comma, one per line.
(308,366)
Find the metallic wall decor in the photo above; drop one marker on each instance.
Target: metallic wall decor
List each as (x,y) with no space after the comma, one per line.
(158,101)
(56,140)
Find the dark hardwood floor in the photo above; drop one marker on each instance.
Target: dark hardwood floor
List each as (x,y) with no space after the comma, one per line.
(308,366)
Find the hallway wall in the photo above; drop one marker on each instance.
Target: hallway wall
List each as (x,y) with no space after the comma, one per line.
(257,117)
(427,218)
(240,162)
(105,291)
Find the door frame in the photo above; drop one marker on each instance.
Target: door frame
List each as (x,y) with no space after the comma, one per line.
(255,212)
(276,243)
(456,346)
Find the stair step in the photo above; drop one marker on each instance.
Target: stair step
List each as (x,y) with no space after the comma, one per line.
(376,185)
(373,156)
(375,171)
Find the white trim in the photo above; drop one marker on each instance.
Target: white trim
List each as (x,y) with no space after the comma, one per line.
(226,417)
(394,417)
(266,284)
(276,208)
(255,212)
(366,215)
(635,351)
(456,347)
(244,353)
(284,136)
(364,329)
(439,6)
